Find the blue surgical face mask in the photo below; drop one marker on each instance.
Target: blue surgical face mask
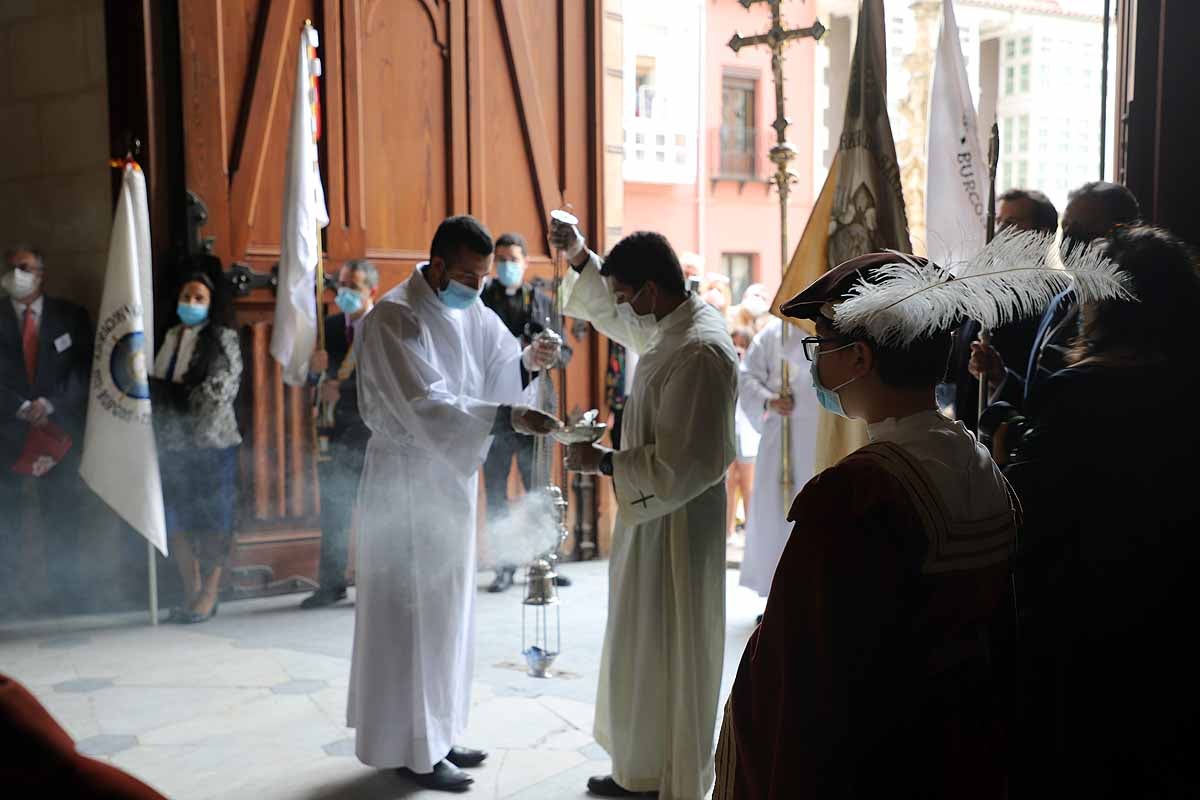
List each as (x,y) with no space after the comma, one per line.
(191,314)
(829,399)
(458,296)
(510,273)
(349,300)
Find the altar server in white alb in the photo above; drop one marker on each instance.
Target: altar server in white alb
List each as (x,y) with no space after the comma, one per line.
(438,375)
(761,399)
(660,670)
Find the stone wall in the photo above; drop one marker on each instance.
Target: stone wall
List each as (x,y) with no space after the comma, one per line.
(55,183)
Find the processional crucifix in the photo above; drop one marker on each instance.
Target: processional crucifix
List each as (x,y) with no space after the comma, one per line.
(781,155)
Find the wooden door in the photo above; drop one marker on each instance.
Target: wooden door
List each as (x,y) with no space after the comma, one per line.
(430,108)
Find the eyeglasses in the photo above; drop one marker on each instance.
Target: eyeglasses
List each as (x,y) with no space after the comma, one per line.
(812,344)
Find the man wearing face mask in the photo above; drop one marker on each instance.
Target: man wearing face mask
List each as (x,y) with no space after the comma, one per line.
(438,376)
(660,669)
(45,358)
(524,308)
(1093,211)
(332,372)
(871,674)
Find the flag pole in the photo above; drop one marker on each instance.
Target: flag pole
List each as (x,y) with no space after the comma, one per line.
(319,273)
(153,569)
(985,336)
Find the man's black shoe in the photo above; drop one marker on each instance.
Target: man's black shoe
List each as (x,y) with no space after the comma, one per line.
(562,580)
(503,581)
(605,786)
(324,597)
(444,778)
(465,757)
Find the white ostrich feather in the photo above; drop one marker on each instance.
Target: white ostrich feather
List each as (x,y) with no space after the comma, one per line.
(1011,278)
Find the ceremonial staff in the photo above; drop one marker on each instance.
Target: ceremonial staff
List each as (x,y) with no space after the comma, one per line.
(781,155)
(985,336)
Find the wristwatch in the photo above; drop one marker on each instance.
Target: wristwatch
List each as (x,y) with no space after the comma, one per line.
(606,464)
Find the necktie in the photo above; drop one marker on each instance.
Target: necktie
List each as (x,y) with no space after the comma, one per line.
(29,343)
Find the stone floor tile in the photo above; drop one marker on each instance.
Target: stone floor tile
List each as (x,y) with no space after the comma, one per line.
(299,687)
(142,709)
(593,752)
(522,769)
(106,744)
(570,784)
(341,747)
(272,719)
(510,722)
(83,685)
(571,739)
(74,712)
(64,642)
(581,716)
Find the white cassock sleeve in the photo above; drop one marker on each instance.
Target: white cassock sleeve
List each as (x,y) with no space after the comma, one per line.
(587,296)
(404,398)
(754,391)
(694,441)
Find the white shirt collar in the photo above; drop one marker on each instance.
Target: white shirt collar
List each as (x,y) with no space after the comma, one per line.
(36,305)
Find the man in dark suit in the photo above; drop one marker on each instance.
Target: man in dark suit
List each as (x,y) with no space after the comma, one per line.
(344,434)
(1093,212)
(524,307)
(1023,210)
(45,360)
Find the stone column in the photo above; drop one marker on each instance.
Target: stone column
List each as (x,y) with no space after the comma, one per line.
(914,108)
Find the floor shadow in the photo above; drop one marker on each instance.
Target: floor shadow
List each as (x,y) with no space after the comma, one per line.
(379,785)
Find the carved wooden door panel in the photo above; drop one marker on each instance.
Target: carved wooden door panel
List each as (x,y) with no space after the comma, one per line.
(430,107)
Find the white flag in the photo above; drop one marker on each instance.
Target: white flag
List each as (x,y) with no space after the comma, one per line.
(120,460)
(295,328)
(957,180)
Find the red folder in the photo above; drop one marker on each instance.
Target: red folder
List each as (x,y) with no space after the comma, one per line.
(48,440)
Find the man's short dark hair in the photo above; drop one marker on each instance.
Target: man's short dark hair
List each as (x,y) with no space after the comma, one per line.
(25,247)
(643,257)
(456,233)
(1120,204)
(1045,215)
(920,365)
(512,240)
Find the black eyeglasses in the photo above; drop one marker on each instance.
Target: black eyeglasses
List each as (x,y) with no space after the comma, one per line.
(813,343)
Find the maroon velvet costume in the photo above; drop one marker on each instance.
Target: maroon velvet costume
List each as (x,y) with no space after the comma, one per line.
(873,673)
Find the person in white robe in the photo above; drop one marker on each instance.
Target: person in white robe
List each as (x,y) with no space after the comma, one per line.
(759,389)
(438,375)
(660,668)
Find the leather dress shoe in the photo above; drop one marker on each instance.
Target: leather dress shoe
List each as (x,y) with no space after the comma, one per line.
(325,596)
(605,786)
(503,581)
(444,778)
(465,757)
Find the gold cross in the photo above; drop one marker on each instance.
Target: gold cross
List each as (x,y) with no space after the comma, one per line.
(781,155)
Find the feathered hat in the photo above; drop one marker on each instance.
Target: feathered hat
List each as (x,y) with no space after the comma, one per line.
(895,298)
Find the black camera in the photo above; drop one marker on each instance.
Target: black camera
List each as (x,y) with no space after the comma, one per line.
(1015,435)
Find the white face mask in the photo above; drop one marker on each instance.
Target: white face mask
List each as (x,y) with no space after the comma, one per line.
(646,323)
(19,283)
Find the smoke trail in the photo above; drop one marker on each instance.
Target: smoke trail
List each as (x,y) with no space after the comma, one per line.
(528,529)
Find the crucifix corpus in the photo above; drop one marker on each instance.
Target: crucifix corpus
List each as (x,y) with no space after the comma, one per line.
(781,155)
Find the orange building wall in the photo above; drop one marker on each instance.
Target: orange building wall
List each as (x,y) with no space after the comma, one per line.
(714,217)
